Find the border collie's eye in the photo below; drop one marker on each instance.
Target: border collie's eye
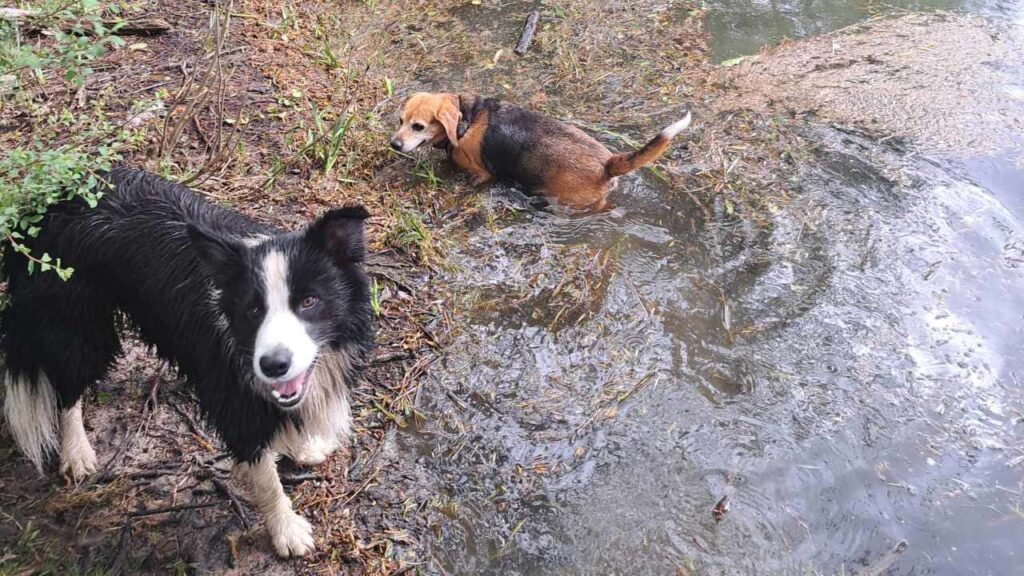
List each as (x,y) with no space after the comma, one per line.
(308,302)
(253,310)
(417,127)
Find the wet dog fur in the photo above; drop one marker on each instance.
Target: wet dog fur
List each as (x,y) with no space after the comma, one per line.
(269,327)
(488,138)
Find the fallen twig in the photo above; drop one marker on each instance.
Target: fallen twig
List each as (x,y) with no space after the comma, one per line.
(390,356)
(169,509)
(299,478)
(720,509)
(197,431)
(529,29)
(881,566)
(236,504)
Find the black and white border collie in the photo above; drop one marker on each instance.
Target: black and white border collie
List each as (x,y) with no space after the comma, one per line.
(269,327)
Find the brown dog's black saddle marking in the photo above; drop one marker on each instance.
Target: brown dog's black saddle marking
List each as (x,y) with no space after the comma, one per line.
(469,107)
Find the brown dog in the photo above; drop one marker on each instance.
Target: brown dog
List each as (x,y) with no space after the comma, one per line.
(488,139)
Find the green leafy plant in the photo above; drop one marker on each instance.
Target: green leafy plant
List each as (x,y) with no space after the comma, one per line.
(425,172)
(323,140)
(409,232)
(39,174)
(78,35)
(327,56)
(375,294)
(53,157)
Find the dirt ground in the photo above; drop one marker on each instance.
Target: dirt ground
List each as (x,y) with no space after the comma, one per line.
(251,92)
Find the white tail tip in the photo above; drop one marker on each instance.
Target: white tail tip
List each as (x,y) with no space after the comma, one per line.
(672,130)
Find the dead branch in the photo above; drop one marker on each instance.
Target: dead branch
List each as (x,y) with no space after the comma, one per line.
(236,503)
(383,357)
(194,426)
(204,86)
(528,31)
(299,478)
(169,509)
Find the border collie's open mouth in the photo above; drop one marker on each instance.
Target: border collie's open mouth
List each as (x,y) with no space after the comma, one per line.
(289,393)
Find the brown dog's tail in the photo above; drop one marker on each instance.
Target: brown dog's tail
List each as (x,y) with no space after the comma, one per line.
(620,164)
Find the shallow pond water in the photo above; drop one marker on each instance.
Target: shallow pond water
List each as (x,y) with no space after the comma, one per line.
(845,368)
(742,27)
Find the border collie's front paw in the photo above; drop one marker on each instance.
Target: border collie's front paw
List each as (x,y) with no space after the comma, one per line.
(78,464)
(291,535)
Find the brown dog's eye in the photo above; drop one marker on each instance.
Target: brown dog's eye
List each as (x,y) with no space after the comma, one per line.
(417,127)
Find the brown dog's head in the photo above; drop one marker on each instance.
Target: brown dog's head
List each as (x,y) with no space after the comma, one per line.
(427,118)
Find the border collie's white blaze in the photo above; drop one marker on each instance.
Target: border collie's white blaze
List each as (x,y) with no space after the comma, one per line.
(284,351)
(77,458)
(31,413)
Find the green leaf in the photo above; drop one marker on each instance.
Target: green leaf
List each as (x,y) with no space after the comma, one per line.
(28,60)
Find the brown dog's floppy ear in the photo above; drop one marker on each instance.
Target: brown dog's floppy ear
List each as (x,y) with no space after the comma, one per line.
(449,116)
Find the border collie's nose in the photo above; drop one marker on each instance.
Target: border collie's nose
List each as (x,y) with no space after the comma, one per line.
(396,144)
(276,363)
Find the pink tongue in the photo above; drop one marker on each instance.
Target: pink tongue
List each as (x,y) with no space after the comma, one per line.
(291,387)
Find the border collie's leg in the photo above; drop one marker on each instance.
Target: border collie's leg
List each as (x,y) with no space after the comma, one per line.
(60,337)
(77,458)
(290,533)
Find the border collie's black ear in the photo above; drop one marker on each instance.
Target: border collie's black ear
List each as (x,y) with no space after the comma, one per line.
(221,256)
(339,233)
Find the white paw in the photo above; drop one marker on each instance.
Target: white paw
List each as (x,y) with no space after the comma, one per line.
(78,464)
(291,535)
